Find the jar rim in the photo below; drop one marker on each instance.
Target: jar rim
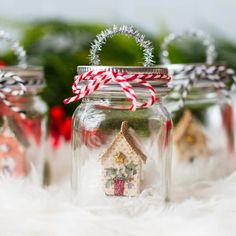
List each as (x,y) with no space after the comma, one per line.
(160,85)
(121,69)
(33,76)
(175,68)
(202,83)
(179,66)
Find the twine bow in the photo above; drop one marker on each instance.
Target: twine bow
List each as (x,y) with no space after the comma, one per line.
(96,79)
(11,84)
(213,73)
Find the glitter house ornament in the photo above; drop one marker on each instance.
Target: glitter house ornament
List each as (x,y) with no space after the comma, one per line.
(121,135)
(12,156)
(122,165)
(202,112)
(190,139)
(22,116)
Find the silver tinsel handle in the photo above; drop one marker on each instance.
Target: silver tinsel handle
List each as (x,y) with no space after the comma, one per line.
(205,39)
(15,46)
(126,30)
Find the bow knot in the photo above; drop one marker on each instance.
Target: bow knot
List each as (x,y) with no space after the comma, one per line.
(97,79)
(11,84)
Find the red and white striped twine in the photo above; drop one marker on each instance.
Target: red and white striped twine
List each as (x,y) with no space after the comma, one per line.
(7,80)
(99,78)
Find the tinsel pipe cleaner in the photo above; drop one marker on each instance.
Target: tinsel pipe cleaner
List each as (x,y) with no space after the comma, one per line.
(11,83)
(130,31)
(16,47)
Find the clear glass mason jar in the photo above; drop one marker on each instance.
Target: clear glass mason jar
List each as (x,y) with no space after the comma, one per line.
(202,113)
(203,132)
(22,141)
(116,151)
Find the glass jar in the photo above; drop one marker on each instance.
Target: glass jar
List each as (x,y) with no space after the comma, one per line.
(118,150)
(114,146)
(22,119)
(22,142)
(202,114)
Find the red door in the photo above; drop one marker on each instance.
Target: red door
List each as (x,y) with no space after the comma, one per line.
(119,185)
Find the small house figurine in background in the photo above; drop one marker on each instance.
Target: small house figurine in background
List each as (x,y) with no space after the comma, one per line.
(122,165)
(190,139)
(12,160)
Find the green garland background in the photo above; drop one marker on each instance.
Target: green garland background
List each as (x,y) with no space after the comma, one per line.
(60,46)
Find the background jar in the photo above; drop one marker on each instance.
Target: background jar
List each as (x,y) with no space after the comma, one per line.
(28,135)
(203,128)
(98,120)
(202,113)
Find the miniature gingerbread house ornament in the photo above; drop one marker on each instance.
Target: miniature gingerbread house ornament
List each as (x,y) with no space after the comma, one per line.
(12,160)
(122,165)
(190,139)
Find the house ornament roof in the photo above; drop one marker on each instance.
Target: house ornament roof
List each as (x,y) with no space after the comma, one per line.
(124,132)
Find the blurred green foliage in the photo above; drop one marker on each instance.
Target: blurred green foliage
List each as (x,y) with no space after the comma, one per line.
(60,46)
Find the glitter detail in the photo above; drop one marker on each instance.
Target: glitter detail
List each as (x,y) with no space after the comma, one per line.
(130,31)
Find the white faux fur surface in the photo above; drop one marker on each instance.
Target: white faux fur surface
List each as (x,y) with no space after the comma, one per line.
(198,208)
